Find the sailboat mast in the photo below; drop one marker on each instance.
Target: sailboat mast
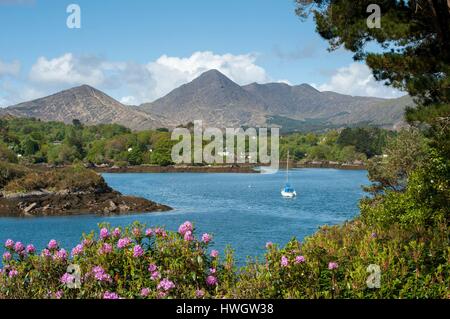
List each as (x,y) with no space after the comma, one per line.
(287,168)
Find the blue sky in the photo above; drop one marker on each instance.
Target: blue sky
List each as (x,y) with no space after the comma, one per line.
(139,50)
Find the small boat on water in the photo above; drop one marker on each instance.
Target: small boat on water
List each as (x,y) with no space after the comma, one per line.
(288,191)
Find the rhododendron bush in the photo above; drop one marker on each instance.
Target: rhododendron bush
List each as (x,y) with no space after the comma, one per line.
(140,262)
(134,262)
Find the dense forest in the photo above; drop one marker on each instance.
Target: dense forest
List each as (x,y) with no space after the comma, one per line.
(34,141)
(31,141)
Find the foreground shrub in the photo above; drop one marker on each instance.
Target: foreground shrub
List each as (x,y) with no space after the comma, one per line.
(334,263)
(136,262)
(117,263)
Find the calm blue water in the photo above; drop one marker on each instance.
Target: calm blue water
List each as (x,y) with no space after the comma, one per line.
(244,210)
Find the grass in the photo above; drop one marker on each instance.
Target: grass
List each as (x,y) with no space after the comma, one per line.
(73,179)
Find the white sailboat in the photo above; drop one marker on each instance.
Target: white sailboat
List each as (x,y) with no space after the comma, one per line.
(288,191)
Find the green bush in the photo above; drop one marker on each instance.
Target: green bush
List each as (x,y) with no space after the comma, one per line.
(6,154)
(74,178)
(424,201)
(9,172)
(136,262)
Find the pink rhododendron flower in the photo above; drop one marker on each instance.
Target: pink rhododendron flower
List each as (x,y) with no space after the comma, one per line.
(155,275)
(67,278)
(105,249)
(148,232)
(100,274)
(59,294)
(185,227)
(52,244)
(30,249)
(138,251)
(104,233)
(46,253)
(206,238)
(212,270)
(214,253)
(9,243)
(13,273)
(160,232)
(299,259)
(199,293)
(166,284)
(116,232)
(60,255)
(7,256)
(332,265)
(188,236)
(162,294)
(145,292)
(110,295)
(284,261)
(123,242)
(78,249)
(19,247)
(152,268)
(211,280)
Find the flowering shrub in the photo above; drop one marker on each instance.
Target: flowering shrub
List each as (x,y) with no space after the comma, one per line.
(136,262)
(117,263)
(333,263)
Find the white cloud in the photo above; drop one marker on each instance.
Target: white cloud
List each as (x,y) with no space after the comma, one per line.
(138,83)
(66,69)
(357,79)
(130,100)
(285,82)
(171,72)
(12,68)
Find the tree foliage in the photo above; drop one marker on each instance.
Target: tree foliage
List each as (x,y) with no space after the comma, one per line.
(411,50)
(402,155)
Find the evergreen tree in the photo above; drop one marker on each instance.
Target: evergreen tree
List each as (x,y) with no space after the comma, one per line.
(413,42)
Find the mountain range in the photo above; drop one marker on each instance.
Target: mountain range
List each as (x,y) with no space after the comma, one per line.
(220,102)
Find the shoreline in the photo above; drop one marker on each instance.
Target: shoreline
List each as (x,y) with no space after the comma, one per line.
(243,169)
(333,166)
(217,169)
(249,169)
(70,204)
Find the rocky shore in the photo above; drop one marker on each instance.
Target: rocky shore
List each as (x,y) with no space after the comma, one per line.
(27,192)
(66,203)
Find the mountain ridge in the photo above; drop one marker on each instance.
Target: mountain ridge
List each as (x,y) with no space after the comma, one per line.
(85,103)
(217,101)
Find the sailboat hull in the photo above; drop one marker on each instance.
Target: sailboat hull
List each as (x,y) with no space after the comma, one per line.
(288,194)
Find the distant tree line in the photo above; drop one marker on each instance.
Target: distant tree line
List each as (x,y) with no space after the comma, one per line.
(33,141)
